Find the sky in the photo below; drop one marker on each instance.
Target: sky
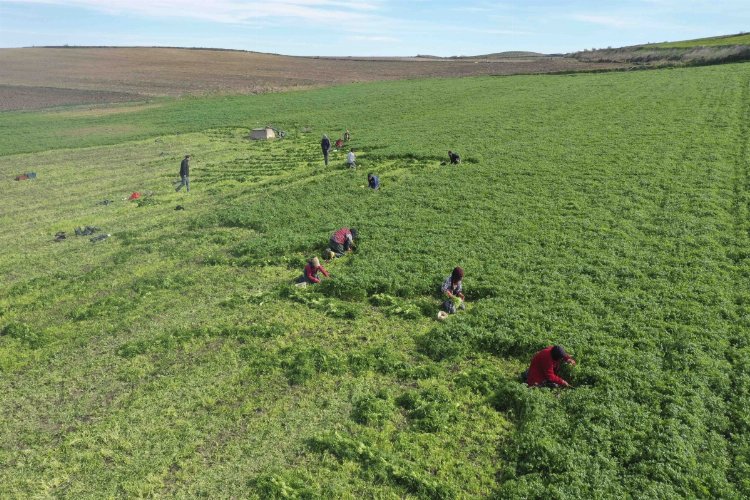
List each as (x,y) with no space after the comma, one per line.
(368,27)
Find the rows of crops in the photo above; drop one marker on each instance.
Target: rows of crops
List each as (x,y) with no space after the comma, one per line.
(608,213)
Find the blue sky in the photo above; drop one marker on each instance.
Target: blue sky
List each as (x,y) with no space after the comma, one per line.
(368,27)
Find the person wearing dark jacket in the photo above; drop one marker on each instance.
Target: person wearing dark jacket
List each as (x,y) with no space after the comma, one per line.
(373,181)
(454,158)
(184,174)
(312,269)
(544,366)
(325,145)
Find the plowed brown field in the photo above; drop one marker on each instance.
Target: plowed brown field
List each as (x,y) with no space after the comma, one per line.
(39,77)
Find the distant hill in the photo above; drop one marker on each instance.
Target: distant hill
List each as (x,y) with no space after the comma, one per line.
(511,54)
(702,51)
(716,41)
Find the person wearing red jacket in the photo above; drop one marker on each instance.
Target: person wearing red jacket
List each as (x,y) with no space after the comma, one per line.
(342,241)
(544,365)
(312,269)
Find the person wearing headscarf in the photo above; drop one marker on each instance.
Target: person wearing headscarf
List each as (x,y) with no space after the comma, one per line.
(452,289)
(312,268)
(544,366)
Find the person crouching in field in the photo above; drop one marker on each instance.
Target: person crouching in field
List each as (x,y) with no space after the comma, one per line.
(351,159)
(452,290)
(373,181)
(312,269)
(184,174)
(325,145)
(454,158)
(544,366)
(342,241)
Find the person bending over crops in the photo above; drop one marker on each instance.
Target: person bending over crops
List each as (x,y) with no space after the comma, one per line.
(312,269)
(342,241)
(373,181)
(339,143)
(544,366)
(351,159)
(325,145)
(454,158)
(452,290)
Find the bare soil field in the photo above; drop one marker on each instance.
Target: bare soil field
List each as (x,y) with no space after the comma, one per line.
(23,98)
(32,78)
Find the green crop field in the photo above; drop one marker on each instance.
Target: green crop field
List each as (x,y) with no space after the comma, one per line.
(719,41)
(608,213)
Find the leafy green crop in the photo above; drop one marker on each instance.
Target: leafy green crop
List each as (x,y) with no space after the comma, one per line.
(607,213)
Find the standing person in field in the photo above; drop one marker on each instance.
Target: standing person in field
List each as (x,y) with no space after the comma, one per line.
(373,181)
(544,366)
(312,269)
(454,158)
(452,289)
(184,174)
(325,144)
(342,241)
(351,159)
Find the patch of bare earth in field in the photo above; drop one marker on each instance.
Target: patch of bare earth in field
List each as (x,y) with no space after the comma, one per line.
(41,76)
(15,97)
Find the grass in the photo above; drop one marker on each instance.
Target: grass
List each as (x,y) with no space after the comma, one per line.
(719,41)
(608,213)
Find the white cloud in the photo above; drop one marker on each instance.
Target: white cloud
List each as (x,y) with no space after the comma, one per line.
(373,38)
(231,11)
(609,21)
(633,21)
(504,32)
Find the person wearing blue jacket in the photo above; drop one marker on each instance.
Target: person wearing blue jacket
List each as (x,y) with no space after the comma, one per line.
(373,182)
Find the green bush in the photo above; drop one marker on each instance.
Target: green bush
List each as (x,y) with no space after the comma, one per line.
(302,364)
(429,409)
(378,466)
(372,408)
(447,341)
(393,306)
(32,337)
(483,380)
(282,486)
(345,287)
